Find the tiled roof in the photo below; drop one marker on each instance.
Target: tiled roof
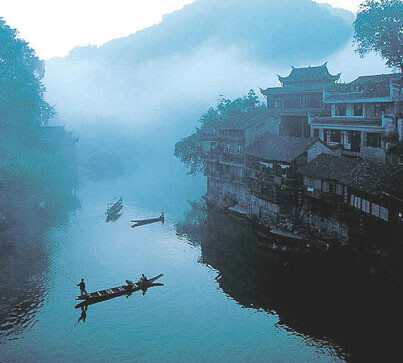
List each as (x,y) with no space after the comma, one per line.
(377,78)
(243,121)
(307,74)
(365,175)
(346,121)
(373,177)
(279,148)
(206,130)
(329,167)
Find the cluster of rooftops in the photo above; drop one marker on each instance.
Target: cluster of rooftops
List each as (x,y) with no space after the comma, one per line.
(353,170)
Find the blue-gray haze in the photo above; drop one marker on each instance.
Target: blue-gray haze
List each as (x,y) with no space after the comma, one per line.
(156,83)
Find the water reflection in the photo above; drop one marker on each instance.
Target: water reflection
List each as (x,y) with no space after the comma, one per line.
(113,217)
(330,297)
(24,263)
(23,289)
(83,306)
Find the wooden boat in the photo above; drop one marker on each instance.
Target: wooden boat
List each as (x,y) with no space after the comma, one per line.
(128,292)
(142,222)
(117,291)
(115,207)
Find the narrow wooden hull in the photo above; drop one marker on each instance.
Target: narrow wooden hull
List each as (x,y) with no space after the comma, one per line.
(109,297)
(118,290)
(137,223)
(116,207)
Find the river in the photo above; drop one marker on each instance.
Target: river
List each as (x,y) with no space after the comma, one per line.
(225,296)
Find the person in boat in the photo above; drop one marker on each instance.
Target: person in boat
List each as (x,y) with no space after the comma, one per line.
(143,278)
(81,285)
(129,283)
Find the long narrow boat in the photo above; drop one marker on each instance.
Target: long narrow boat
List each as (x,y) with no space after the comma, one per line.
(115,207)
(128,292)
(118,290)
(142,222)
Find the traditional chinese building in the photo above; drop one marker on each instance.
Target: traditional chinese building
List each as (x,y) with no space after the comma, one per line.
(300,95)
(363,116)
(272,175)
(223,154)
(349,193)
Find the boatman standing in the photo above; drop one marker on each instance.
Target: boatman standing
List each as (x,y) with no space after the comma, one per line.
(81,285)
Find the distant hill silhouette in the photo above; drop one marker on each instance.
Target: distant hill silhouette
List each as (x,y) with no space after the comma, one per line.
(269,30)
(158,81)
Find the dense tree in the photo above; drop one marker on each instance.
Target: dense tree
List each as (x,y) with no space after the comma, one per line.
(22,105)
(379,28)
(33,173)
(189,149)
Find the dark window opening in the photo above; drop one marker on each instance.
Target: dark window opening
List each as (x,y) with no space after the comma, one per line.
(341,110)
(374,140)
(358,109)
(333,136)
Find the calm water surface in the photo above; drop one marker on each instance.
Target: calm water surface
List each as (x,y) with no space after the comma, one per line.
(197,316)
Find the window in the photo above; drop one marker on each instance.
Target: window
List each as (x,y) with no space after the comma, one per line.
(325,187)
(292,102)
(277,103)
(341,110)
(384,213)
(228,149)
(378,110)
(316,133)
(357,202)
(317,184)
(239,149)
(365,206)
(375,210)
(373,140)
(358,109)
(339,189)
(333,136)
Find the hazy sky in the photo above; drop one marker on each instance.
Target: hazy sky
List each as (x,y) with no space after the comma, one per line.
(54,27)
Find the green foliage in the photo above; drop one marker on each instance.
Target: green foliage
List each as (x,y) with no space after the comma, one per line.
(22,105)
(33,173)
(379,28)
(189,149)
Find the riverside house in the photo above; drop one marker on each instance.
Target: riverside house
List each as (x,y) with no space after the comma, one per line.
(272,175)
(315,156)
(300,95)
(363,116)
(344,193)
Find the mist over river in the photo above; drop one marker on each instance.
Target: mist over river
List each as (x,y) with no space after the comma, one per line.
(223,297)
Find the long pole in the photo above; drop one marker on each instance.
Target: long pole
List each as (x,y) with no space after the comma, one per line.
(68,278)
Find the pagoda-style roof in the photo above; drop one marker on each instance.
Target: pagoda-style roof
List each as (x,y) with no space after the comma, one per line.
(309,75)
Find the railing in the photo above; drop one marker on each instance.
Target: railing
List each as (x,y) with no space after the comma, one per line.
(232,158)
